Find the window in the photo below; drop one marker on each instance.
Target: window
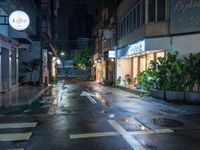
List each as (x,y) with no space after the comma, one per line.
(151,11)
(130,21)
(14,65)
(138,15)
(134,19)
(143,12)
(121,28)
(161,10)
(127,24)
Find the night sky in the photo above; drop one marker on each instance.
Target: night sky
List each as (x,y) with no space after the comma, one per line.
(66,8)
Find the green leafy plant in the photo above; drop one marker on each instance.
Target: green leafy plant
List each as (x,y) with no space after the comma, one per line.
(82,57)
(31,66)
(118,80)
(192,71)
(128,79)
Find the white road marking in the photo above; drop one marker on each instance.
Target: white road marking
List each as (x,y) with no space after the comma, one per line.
(91,135)
(163,131)
(131,140)
(18,125)
(15,136)
(105,134)
(89,96)
(16,149)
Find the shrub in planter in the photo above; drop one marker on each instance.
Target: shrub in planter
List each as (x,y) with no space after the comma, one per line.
(191,66)
(175,75)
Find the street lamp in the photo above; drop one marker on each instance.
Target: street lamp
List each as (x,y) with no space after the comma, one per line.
(62,54)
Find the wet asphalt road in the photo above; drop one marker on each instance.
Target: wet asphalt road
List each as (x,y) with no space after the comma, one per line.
(88,116)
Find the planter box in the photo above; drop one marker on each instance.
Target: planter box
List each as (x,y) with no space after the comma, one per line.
(174,95)
(157,93)
(192,97)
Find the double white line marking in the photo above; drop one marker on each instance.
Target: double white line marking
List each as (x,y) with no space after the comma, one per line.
(16,136)
(89,96)
(128,136)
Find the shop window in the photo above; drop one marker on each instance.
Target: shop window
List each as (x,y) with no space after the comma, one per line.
(151,11)
(135,66)
(138,15)
(150,57)
(142,63)
(161,10)
(160,54)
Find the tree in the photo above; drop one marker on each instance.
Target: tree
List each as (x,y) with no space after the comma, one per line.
(82,57)
(30,66)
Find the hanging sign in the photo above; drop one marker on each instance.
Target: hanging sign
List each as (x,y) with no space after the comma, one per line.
(19,20)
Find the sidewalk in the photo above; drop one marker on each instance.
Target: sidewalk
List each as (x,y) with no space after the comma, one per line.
(145,106)
(19,96)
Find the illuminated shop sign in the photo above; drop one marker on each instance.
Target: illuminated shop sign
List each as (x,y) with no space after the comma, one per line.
(19,20)
(111,54)
(136,48)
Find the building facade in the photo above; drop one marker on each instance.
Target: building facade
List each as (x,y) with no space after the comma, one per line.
(148,29)
(16,43)
(80,27)
(105,35)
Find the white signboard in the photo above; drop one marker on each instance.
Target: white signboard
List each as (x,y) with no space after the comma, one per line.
(19,20)
(136,48)
(111,54)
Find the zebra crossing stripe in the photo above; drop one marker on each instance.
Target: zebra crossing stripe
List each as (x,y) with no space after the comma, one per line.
(16,149)
(17,125)
(15,136)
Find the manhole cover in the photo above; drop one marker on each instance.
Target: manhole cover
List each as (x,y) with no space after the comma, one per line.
(167,122)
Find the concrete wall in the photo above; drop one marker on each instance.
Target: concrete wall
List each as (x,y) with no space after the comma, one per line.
(185,44)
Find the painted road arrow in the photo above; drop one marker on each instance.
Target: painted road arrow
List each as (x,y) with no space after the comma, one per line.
(89,96)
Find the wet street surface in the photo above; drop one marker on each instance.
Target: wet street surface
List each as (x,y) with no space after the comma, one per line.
(89,116)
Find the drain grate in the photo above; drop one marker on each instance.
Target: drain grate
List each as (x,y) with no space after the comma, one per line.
(167,122)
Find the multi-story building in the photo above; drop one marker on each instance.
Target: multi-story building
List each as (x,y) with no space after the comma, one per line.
(18,46)
(49,15)
(80,27)
(105,41)
(148,29)
(22,50)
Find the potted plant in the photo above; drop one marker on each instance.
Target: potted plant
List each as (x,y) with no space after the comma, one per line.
(128,79)
(191,66)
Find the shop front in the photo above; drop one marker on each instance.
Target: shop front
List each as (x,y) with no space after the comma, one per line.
(136,58)
(109,57)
